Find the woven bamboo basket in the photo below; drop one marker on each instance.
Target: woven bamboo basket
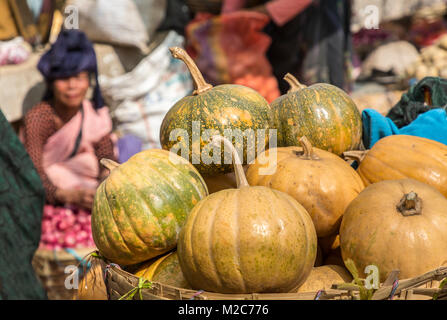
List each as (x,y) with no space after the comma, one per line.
(49,266)
(120,284)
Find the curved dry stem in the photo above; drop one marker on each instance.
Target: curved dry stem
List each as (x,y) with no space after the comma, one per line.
(109,164)
(200,85)
(295,85)
(410,204)
(356,155)
(241,180)
(308,151)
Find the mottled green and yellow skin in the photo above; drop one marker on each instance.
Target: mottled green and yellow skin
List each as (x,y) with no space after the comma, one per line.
(323,113)
(223,107)
(165,270)
(140,208)
(247,240)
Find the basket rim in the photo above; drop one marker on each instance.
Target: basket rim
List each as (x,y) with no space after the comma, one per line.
(412,285)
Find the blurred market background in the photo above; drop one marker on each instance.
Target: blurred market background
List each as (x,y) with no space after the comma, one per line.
(141,81)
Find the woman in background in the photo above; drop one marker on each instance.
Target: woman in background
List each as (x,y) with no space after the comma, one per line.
(66,135)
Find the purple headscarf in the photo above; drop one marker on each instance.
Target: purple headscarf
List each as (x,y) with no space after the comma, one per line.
(71,54)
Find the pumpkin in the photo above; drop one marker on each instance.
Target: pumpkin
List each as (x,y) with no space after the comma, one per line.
(400,157)
(92,285)
(319,180)
(139,209)
(226,109)
(322,278)
(165,270)
(323,113)
(246,240)
(396,224)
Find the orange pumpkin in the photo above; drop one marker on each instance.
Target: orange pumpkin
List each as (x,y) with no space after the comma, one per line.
(246,240)
(401,156)
(396,224)
(319,180)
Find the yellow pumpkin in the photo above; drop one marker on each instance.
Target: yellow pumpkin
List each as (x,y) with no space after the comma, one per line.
(319,180)
(400,157)
(246,240)
(396,224)
(322,278)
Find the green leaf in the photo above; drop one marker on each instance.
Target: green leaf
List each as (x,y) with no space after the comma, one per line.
(350,265)
(365,294)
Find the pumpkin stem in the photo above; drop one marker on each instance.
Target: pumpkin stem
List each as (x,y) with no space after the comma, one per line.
(410,204)
(295,85)
(241,180)
(200,85)
(109,164)
(308,151)
(356,155)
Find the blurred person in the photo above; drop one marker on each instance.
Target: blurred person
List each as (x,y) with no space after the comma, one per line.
(66,135)
(22,199)
(311,39)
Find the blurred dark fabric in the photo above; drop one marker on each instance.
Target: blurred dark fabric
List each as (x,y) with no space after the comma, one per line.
(177,17)
(315,46)
(427,94)
(21,207)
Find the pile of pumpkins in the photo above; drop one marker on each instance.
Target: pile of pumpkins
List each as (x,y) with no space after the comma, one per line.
(282,225)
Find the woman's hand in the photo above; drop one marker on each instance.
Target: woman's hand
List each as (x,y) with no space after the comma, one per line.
(79,197)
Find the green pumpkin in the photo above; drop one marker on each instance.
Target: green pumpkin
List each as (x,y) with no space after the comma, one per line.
(217,108)
(139,209)
(323,113)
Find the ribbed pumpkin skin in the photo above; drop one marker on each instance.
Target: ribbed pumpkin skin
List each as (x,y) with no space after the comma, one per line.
(252,239)
(139,209)
(325,187)
(323,113)
(323,277)
(167,271)
(401,156)
(373,231)
(222,107)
